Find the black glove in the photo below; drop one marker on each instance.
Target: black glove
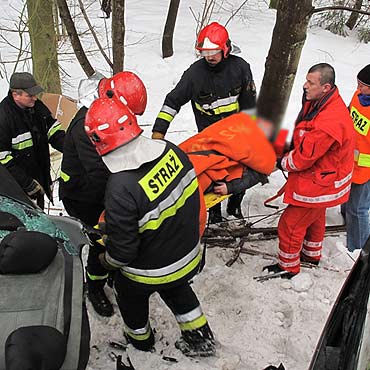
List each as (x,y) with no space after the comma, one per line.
(34,190)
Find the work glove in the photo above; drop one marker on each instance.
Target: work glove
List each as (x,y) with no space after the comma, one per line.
(34,190)
(157,135)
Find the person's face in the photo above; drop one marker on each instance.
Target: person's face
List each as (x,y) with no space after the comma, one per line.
(24,100)
(214,59)
(364,89)
(313,88)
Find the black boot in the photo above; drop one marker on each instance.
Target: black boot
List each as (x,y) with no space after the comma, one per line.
(199,342)
(234,205)
(215,214)
(98,298)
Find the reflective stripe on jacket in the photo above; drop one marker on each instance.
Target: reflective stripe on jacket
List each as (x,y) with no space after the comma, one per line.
(320,165)
(361,123)
(152,220)
(215,92)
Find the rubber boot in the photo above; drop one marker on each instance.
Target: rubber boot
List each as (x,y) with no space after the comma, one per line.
(215,214)
(197,343)
(234,205)
(98,298)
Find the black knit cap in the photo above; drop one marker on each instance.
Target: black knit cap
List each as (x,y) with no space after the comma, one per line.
(364,75)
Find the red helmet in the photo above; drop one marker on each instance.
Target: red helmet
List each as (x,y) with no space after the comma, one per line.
(128,88)
(214,37)
(110,124)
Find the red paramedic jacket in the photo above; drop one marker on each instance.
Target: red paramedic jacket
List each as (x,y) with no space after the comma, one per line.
(321,163)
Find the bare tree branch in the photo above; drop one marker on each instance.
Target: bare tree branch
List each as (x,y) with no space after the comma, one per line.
(326,8)
(87,20)
(236,11)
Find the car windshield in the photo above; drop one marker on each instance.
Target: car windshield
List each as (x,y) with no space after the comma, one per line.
(13,200)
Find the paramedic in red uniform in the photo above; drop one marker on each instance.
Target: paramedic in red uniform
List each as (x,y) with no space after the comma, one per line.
(319,167)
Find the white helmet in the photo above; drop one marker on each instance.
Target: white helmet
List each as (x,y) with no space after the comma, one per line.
(88,89)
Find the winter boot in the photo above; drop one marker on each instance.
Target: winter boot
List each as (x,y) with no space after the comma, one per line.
(276,269)
(215,214)
(197,343)
(234,205)
(98,298)
(307,259)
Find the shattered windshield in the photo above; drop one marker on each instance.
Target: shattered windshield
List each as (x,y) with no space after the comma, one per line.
(35,220)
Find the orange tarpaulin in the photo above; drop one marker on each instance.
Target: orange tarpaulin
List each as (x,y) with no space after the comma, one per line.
(222,150)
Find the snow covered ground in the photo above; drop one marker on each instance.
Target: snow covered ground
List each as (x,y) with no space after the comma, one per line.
(255,323)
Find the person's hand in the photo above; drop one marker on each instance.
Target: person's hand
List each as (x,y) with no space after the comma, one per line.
(34,190)
(220,188)
(157,135)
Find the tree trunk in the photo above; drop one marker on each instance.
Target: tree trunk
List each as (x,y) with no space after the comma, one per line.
(352,20)
(288,38)
(118,34)
(274,4)
(65,15)
(43,44)
(167,44)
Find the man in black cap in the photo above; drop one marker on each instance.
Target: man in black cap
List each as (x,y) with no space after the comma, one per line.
(358,205)
(26,129)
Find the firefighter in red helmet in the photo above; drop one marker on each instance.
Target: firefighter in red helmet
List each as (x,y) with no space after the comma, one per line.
(152,226)
(218,85)
(84,175)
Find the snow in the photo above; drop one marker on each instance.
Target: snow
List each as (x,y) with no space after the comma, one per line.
(255,323)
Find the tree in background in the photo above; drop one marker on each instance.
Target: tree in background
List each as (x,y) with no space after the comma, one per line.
(118,34)
(43,44)
(167,40)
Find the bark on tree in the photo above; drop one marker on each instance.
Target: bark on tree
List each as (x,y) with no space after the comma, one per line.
(288,38)
(43,44)
(118,34)
(167,40)
(352,20)
(65,15)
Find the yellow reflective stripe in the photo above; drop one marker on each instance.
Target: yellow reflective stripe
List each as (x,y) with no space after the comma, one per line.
(193,325)
(156,181)
(64,176)
(57,126)
(23,145)
(168,278)
(363,160)
(139,336)
(227,108)
(165,116)
(96,277)
(6,159)
(360,122)
(233,107)
(171,211)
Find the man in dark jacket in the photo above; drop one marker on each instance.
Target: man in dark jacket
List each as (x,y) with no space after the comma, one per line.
(83,179)
(26,129)
(152,223)
(218,85)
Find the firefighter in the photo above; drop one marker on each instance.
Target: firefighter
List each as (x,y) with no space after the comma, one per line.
(319,170)
(218,85)
(84,175)
(26,129)
(357,207)
(152,224)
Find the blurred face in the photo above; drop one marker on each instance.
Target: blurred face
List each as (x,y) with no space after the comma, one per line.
(23,99)
(214,59)
(364,89)
(313,88)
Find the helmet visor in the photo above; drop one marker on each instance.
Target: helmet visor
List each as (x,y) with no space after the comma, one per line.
(208,53)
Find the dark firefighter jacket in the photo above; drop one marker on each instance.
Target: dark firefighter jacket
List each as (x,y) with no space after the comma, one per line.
(83,175)
(215,92)
(25,135)
(152,220)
